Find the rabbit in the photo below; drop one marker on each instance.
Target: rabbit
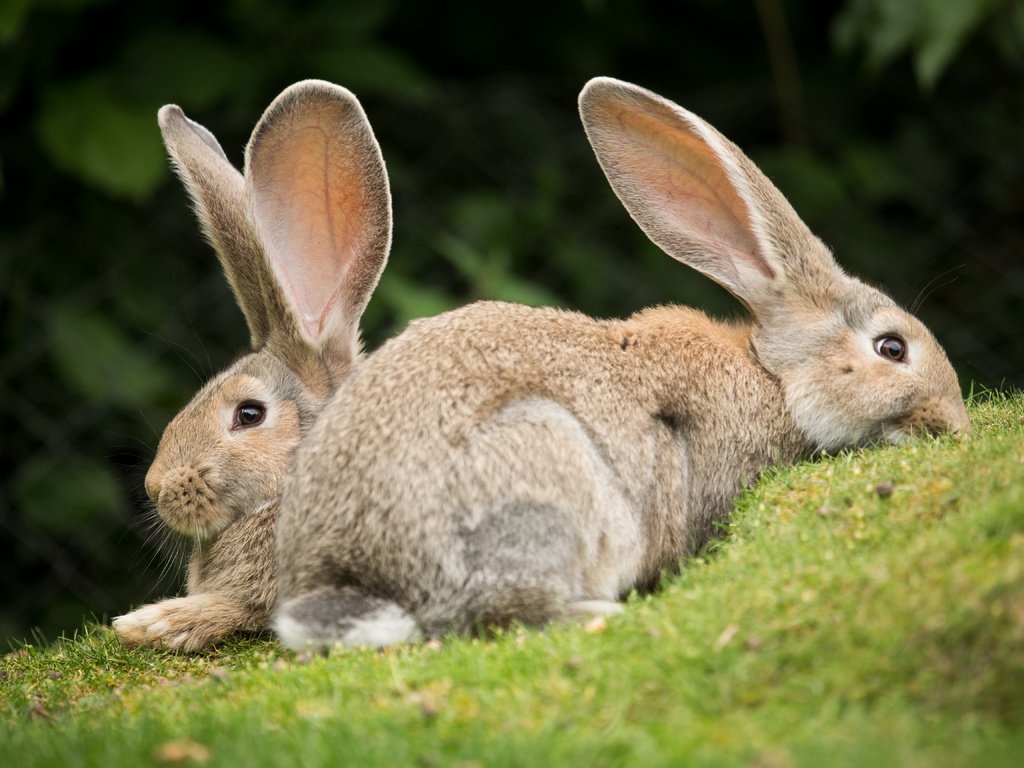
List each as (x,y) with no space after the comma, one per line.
(303,237)
(500,463)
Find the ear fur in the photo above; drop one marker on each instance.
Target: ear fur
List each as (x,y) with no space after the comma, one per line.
(321,206)
(218,192)
(304,235)
(699,198)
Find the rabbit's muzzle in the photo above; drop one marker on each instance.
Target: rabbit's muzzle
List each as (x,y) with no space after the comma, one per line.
(185,501)
(936,416)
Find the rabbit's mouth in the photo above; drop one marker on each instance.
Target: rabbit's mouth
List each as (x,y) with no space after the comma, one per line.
(188,505)
(931,418)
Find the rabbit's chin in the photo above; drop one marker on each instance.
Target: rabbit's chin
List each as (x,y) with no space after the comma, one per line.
(200,526)
(830,427)
(834,434)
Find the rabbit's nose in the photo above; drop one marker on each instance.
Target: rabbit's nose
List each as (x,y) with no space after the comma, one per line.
(153,486)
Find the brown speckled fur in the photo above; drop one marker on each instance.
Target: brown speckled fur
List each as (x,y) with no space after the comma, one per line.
(505,463)
(302,238)
(420,452)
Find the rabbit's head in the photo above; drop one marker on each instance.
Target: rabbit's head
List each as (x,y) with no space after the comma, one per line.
(854,366)
(302,237)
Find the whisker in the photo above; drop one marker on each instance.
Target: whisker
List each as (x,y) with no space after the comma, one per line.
(934,289)
(930,287)
(149,424)
(200,377)
(166,550)
(179,349)
(202,346)
(134,439)
(175,559)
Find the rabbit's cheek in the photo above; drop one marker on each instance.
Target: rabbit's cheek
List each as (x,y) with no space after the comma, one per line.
(258,459)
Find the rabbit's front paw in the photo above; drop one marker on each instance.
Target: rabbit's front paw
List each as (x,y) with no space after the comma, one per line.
(180,623)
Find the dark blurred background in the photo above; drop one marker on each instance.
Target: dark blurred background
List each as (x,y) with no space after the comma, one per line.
(896,127)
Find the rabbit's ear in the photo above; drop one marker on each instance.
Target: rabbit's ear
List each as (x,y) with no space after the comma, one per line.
(322,209)
(699,198)
(218,191)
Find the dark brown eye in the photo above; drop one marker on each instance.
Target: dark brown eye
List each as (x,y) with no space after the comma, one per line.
(891,347)
(248,414)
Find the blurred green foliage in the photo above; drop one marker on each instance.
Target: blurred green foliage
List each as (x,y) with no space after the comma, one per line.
(893,126)
(933,30)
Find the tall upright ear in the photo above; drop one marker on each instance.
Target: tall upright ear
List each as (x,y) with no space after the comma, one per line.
(698,197)
(218,192)
(322,209)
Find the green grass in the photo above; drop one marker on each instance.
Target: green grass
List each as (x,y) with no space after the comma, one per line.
(835,625)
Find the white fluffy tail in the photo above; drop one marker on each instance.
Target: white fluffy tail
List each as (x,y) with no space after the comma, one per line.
(332,616)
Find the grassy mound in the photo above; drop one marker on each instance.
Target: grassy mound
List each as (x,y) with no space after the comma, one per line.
(866,609)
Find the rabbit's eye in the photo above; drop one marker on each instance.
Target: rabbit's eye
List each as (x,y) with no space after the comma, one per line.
(248,414)
(891,347)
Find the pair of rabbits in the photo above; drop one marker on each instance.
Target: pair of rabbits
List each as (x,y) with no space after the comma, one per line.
(498,463)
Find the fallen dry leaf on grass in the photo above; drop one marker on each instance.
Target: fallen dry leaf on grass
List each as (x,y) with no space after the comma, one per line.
(726,637)
(181,750)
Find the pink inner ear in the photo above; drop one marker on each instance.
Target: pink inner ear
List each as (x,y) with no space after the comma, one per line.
(309,201)
(680,185)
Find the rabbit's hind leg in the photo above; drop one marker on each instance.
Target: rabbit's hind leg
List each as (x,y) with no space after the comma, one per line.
(521,560)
